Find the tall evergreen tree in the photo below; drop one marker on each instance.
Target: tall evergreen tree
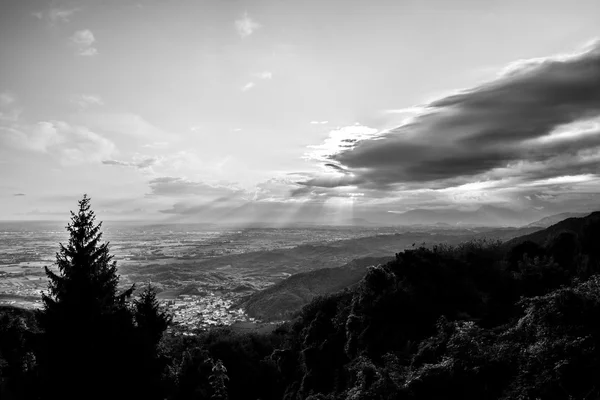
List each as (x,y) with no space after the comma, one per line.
(88,328)
(87,277)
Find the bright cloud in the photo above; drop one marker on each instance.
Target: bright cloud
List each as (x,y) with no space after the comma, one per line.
(84,101)
(339,140)
(246,26)
(68,144)
(248,86)
(139,162)
(83,40)
(264,75)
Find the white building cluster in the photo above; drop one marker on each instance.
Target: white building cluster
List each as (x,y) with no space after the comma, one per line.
(193,312)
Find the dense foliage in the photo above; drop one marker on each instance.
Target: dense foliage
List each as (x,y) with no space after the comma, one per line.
(482,320)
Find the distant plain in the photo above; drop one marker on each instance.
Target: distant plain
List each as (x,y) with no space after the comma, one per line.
(198,259)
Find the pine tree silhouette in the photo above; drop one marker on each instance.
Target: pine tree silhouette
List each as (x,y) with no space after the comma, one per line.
(88,327)
(87,278)
(149,318)
(151,323)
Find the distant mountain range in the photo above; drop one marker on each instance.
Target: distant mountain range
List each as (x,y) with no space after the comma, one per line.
(483,216)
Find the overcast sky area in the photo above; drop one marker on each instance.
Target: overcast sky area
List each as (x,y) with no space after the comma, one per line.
(209,110)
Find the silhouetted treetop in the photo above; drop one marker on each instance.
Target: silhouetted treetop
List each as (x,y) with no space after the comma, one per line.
(87,275)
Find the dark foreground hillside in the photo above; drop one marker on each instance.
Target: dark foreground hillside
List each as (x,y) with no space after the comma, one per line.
(481,320)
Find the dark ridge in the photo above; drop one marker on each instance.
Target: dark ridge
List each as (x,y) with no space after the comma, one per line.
(574,224)
(287,297)
(554,219)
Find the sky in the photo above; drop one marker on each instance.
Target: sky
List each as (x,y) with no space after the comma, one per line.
(293,111)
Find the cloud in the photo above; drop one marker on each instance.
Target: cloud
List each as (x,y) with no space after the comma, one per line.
(118,124)
(264,75)
(248,86)
(69,144)
(139,162)
(340,139)
(177,187)
(261,75)
(84,101)
(56,15)
(83,40)
(335,167)
(274,189)
(156,145)
(319,122)
(6,99)
(537,121)
(246,26)
(19,194)
(8,110)
(407,110)
(163,165)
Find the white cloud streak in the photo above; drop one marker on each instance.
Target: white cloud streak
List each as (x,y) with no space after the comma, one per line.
(55,16)
(84,101)
(264,75)
(248,86)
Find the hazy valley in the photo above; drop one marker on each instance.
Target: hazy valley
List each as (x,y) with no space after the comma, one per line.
(232,266)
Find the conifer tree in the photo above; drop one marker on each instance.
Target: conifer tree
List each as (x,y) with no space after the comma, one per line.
(88,328)
(149,318)
(218,381)
(151,323)
(87,277)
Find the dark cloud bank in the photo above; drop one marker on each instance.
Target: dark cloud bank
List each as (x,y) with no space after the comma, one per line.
(476,133)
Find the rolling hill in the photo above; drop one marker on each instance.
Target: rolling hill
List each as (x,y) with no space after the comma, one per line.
(283,299)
